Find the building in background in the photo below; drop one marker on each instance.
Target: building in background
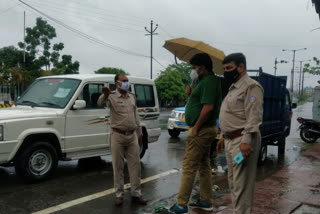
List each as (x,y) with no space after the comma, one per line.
(5,94)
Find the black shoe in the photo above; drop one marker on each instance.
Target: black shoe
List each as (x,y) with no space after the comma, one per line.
(202,205)
(139,200)
(118,201)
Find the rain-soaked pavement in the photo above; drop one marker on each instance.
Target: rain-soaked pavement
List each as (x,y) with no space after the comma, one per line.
(82,180)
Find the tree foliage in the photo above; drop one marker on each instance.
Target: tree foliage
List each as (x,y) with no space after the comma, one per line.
(12,68)
(185,70)
(313,69)
(109,70)
(45,54)
(40,54)
(170,85)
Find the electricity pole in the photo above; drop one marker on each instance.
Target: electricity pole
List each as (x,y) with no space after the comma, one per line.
(151,32)
(292,71)
(24,38)
(301,79)
(275,65)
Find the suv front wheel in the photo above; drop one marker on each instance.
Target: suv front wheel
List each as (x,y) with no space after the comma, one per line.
(36,161)
(174,132)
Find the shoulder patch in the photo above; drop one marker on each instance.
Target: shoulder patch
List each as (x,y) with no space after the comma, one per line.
(252,99)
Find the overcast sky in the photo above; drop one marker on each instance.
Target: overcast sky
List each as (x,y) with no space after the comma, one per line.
(258,28)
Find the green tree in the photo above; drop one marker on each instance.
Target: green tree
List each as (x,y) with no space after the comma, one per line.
(170,86)
(313,69)
(38,44)
(185,70)
(14,71)
(109,70)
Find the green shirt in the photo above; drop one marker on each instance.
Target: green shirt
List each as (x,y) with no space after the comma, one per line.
(207,91)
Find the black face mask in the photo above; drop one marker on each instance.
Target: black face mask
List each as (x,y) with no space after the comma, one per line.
(231,76)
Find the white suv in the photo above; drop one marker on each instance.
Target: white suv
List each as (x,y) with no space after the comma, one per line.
(57,118)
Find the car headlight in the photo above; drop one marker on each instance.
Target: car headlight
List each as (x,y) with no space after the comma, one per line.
(1,132)
(172,114)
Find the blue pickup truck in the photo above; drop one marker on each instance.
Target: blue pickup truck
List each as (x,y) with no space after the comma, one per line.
(277,112)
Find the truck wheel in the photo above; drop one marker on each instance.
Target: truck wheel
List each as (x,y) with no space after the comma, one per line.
(263,155)
(174,132)
(37,161)
(143,146)
(281,145)
(307,136)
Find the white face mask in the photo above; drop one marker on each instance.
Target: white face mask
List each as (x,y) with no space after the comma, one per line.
(125,86)
(194,75)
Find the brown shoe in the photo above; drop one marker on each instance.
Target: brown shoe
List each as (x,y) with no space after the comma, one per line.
(139,200)
(118,201)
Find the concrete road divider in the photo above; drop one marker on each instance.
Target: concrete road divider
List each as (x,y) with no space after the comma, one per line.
(5,105)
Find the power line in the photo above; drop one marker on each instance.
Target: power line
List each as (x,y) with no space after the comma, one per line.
(8,9)
(84,35)
(87,13)
(103,10)
(88,18)
(170,35)
(159,62)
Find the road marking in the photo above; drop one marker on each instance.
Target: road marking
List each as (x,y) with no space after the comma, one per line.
(99,194)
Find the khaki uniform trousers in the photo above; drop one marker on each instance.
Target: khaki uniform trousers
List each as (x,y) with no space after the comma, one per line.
(196,159)
(125,147)
(242,177)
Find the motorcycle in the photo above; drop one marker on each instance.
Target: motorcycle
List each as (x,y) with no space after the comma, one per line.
(309,130)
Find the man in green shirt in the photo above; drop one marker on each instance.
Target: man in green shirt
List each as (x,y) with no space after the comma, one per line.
(201,113)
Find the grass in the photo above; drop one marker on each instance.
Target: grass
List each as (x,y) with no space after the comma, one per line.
(302,99)
(308,146)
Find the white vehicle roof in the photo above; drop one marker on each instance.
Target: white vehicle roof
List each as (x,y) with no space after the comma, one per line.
(100,77)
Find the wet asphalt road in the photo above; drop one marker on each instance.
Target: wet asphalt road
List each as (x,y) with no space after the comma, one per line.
(74,180)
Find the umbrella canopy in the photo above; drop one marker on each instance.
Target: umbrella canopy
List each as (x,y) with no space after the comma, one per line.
(185,49)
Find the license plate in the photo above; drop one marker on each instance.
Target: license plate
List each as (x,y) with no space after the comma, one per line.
(181,123)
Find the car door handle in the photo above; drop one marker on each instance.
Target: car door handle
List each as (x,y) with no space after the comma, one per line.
(103,117)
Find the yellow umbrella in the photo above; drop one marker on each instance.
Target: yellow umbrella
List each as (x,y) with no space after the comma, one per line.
(185,49)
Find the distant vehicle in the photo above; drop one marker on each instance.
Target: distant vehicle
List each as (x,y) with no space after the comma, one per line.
(176,122)
(277,111)
(57,118)
(309,130)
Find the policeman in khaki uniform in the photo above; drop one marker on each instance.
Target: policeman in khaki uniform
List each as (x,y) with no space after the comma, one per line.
(125,136)
(240,117)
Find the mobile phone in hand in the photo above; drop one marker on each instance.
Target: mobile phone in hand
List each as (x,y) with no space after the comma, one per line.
(238,158)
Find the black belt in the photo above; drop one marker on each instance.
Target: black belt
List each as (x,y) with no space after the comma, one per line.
(233,135)
(126,133)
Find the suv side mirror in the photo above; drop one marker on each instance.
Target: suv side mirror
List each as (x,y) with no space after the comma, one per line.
(79,104)
(294,105)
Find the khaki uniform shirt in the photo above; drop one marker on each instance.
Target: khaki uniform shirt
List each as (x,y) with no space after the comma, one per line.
(123,111)
(242,108)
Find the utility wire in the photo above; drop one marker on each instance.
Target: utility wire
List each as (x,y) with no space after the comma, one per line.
(158,62)
(87,18)
(86,13)
(84,35)
(8,9)
(103,10)
(170,35)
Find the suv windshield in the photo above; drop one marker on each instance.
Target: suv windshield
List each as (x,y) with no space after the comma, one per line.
(52,93)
